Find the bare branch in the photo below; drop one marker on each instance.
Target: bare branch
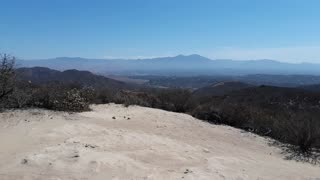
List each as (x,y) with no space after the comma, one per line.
(7,74)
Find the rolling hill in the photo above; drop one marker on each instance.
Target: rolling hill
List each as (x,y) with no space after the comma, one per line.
(221,88)
(312,88)
(41,75)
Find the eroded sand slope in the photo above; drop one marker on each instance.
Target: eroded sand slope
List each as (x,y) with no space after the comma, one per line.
(140,143)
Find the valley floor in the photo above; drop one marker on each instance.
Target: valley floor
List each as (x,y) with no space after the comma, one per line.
(114,142)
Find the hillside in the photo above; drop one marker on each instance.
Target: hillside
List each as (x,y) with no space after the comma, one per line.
(42,75)
(312,88)
(221,88)
(138,143)
(285,114)
(196,82)
(271,95)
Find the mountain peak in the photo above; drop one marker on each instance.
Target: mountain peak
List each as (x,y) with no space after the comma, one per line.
(191,55)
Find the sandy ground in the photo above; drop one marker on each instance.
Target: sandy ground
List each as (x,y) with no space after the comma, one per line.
(140,143)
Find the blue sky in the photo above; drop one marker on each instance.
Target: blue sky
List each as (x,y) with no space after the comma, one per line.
(286,30)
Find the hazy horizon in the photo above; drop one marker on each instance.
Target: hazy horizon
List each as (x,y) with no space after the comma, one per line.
(159,57)
(286,31)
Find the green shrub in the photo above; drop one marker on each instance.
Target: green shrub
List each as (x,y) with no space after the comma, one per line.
(61,97)
(69,100)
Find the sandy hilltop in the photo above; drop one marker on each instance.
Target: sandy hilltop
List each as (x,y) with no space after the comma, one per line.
(114,142)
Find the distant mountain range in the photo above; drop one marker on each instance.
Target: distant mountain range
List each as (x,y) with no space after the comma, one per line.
(179,65)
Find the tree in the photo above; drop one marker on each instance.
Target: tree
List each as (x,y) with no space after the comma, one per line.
(7,75)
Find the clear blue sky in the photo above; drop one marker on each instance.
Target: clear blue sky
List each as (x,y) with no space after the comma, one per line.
(287,30)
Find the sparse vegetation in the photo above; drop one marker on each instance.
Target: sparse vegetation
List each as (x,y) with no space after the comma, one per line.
(61,97)
(7,75)
(288,115)
(285,114)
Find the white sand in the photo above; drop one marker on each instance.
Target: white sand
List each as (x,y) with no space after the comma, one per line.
(152,144)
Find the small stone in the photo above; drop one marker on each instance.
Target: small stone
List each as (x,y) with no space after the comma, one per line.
(206,150)
(113,117)
(90,146)
(24,161)
(75,156)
